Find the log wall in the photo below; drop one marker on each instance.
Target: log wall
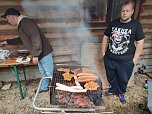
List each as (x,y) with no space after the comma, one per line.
(146,21)
(62,23)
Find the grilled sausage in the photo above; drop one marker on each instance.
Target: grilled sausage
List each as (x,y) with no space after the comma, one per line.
(86,78)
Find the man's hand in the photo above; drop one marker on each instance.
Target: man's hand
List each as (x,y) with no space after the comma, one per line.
(35,60)
(3,43)
(139,48)
(104,45)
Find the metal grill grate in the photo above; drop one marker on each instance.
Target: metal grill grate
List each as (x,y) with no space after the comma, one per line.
(94,95)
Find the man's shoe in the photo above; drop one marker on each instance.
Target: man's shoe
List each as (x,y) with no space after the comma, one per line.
(107,93)
(122,98)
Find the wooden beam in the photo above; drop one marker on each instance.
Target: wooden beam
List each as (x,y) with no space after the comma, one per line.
(66,50)
(147,2)
(137,9)
(37,3)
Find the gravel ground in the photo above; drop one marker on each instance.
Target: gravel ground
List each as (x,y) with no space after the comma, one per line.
(10,102)
(135,95)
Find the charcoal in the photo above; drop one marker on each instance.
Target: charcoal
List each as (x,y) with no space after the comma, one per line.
(68,97)
(60,96)
(56,96)
(72,96)
(62,101)
(70,104)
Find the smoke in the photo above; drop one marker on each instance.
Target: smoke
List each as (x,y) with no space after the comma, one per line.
(46,8)
(66,16)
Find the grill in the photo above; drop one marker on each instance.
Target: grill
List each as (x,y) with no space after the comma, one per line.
(89,101)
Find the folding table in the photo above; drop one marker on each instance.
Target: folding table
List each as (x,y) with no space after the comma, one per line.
(14,67)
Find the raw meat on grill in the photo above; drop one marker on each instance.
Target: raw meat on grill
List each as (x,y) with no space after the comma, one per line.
(84,74)
(86,70)
(63,69)
(76,71)
(86,78)
(67,76)
(91,85)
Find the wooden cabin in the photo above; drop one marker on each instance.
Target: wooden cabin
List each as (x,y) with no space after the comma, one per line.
(75,29)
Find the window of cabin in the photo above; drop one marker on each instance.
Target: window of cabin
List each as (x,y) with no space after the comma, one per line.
(98,13)
(95,12)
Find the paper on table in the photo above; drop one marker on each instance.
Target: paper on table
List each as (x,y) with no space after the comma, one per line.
(23,60)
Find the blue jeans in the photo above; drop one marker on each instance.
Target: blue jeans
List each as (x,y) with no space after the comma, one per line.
(118,74)
(46,68)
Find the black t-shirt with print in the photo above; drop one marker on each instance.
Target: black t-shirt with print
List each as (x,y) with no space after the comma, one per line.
(122,36)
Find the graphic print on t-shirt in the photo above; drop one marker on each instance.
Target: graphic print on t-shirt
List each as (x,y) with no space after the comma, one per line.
(119,40)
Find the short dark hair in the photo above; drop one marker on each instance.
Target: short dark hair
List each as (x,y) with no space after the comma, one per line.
(126,2)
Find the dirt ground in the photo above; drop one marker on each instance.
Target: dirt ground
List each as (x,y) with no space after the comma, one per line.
(10,102)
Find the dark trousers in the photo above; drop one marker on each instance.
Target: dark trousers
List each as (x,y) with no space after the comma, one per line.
(118,74)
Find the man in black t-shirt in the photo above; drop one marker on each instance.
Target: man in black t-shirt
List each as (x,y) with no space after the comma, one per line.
(119,50)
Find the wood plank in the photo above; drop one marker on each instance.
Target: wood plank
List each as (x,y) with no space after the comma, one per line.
(145,13)
(147,30)
(90,52)
(38,3)
(53,14)
(147,2)
(59,25)
(66,50)
(61,38)
(147,37)
(79,35)
(148,43)
(146,7)
(148,33)
(42,12)
(4,37)
(74,34)
(138,2)
(147,51)
(5,29)
(146,56)
(51,19)
(63,41)
(146,62)
(66,58)
(146,21)
(147,26)
(46,25)
(69,63)
(44,30)
(145,17)
(12,48)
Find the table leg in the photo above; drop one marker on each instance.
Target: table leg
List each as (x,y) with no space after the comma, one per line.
(18,81)
(23,68)
(15,72)
(26,84)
